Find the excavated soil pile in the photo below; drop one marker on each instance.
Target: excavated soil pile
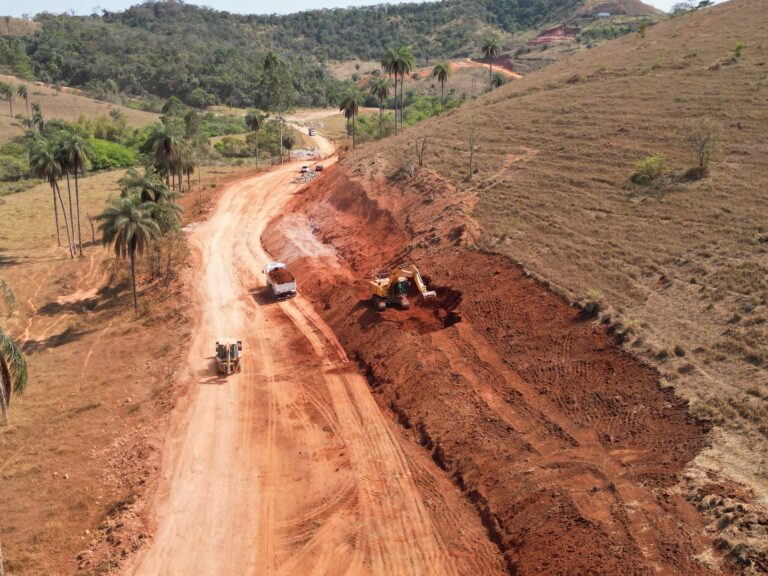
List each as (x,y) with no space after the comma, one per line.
(567,446)
(280,276)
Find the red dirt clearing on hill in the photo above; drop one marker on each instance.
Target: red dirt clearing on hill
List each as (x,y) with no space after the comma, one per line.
(567,446)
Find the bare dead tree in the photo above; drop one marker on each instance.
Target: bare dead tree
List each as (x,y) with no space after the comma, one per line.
(420,148)
(472,150)
(93,240)
(702,136)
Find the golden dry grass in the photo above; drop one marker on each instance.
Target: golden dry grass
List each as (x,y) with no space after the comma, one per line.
(68,104)
(681,265)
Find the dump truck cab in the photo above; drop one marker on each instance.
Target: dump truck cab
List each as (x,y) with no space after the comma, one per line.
(228,355)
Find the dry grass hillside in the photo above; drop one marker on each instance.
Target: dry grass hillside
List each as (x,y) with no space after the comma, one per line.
(10,26)
(677,268)
(67,104)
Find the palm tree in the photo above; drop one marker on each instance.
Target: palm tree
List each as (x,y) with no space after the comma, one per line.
(127,224)
(62,155)
(37,116)
(389,64)
(497,81)
(441,72)
(13,371)
(44,163)
(13,367)
(22,92)
(78,153)
(379,87)
(278,82)
(6,91)
(163,142)
(254,121)
(149,186)
(350,105)
(405,64)
(491,48)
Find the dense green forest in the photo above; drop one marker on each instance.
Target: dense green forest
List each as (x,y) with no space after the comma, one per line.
(205,56)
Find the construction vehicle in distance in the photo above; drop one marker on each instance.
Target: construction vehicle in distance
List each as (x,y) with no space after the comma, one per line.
(392,289)
(228,355)
(280,280)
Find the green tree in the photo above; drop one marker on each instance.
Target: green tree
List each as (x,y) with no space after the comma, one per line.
(78,154)
(254,121)
(23,93)
(379,87)
(441,72)
(277,84)
(13,366)
(37,116)
(497,80)
(389,64)
(163,143)
(149,186)
(44,163)
(6,91)
(405,64)
(491,48)
(128,226)
(350,106)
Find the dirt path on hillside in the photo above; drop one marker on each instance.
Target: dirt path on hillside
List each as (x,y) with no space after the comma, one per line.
(288,467)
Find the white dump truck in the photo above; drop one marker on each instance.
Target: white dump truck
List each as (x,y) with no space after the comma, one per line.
(280,281)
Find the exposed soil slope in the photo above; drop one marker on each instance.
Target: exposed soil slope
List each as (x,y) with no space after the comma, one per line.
(679,266)
(567,446)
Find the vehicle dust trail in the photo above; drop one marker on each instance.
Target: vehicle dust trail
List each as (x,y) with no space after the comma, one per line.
(288,467)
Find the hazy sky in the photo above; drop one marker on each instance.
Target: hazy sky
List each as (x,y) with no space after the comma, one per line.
(17,8)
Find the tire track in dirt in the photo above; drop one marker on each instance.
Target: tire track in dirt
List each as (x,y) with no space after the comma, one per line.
(288,467)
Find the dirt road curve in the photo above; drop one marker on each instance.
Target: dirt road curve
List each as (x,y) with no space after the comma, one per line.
(288,467)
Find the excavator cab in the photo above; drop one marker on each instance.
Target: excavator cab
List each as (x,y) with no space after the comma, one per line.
(392,289)
(228,353)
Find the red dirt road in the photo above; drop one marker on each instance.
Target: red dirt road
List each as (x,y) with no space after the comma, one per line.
(290,467)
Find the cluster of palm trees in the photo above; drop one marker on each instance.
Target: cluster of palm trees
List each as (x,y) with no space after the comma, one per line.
(62,155)
(491,48)
(174,153)
(145,210)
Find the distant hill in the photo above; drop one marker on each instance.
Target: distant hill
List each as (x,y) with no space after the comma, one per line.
(195,53)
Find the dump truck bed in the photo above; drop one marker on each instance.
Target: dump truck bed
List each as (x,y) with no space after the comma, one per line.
(280,280)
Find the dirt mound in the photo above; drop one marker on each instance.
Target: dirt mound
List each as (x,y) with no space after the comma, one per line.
(568,448)
(281,276)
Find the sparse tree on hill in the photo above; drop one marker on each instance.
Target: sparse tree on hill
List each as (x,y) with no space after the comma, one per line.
(13,371)
(702,136)
(491,48)
(498,80)
(128,227)
(405,64)
(441,72)
(389,64)
(37,116)
(379,87)
(6,91)
(23,93)
(350,106)
(254,121)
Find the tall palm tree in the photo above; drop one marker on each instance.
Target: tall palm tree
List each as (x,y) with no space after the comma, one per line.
(254,120)
(406,61)
(350,106)
(62,155)
(379,87)
(491,48)
(78,154)
(278,83)
(128,226)
(44,163)
(163,142)
(441,72)
(389,64)
(23,93)
(6,91)
(37,116)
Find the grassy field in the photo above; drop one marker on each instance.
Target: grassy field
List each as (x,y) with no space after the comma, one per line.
(678,267)
(65,105)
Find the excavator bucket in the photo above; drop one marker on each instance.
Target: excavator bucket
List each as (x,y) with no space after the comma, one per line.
(428,295)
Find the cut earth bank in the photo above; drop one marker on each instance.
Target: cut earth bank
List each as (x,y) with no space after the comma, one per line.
(570,450)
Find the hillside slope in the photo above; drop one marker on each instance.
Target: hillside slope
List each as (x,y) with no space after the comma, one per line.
(675,271)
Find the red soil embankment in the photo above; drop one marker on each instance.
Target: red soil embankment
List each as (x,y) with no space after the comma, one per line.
(567,446)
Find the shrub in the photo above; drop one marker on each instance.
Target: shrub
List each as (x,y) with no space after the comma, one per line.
(108,155)
(648,170)
(12,168)
(739,49)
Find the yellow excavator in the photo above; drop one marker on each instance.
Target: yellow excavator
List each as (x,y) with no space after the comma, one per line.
(392,289)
